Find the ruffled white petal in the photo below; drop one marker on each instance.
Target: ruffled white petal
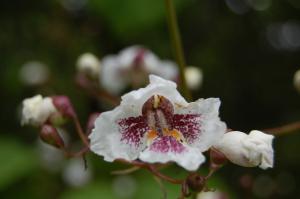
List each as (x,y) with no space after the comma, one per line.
(158,86)
(190,159)
(105,139)
(211,127)
(250,150)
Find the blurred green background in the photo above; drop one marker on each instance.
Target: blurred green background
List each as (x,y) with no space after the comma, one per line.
(248,51)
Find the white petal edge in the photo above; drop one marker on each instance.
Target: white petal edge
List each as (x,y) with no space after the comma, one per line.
(158,86)
(190,159)
(105,139)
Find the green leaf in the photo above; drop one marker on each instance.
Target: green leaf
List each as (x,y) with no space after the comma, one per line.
(17,161)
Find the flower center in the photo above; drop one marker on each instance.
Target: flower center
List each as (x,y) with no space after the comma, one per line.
(159,112)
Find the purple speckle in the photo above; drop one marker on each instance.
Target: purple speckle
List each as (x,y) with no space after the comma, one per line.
(188,125)
(133,129)
(167,144)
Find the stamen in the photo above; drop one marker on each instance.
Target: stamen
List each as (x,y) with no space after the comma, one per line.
(158,112)
(156,101)
(163,123)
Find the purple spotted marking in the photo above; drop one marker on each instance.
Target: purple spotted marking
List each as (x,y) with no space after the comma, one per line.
(133,130)
(167,144)
(189,125)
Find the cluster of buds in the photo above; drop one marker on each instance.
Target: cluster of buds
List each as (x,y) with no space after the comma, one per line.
(47,113)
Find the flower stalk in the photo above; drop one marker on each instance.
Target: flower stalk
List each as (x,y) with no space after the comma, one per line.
(177,45)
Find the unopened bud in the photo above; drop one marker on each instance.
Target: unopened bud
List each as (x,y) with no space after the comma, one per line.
(88,64)
(37,110)
(196,182)
(248,150)
(91,122)
(297,80)
(64,106)
(194,77)
(217,158)
(50,136)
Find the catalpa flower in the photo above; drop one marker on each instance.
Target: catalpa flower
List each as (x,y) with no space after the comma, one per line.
(156,124)
(131,67)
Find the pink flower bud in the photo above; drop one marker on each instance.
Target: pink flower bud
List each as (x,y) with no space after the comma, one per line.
(50,136)
(64,106)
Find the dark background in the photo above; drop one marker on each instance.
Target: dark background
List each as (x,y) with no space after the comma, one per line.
(248,52)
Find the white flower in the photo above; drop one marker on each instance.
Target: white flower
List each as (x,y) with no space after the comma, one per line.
(36,110)
(89,64)
(250,150)
(297,80)
(194,77)
(131,67)
(155,124)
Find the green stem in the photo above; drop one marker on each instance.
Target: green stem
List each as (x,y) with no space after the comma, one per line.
(176,43)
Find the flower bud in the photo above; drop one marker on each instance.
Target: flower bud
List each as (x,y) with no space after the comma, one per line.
(91,122)
(245,150)
(37,110)
(64,106)
(194,77)
(196,182)
(88,64)
(297,80)
(50,136)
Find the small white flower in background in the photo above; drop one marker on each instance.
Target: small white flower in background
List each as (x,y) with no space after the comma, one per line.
(34,73)
(89,64)
(36,110)
(297,80)
(75,175)
(250,150)
(211,195)
(194,77)
(156,124)
(131,67)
